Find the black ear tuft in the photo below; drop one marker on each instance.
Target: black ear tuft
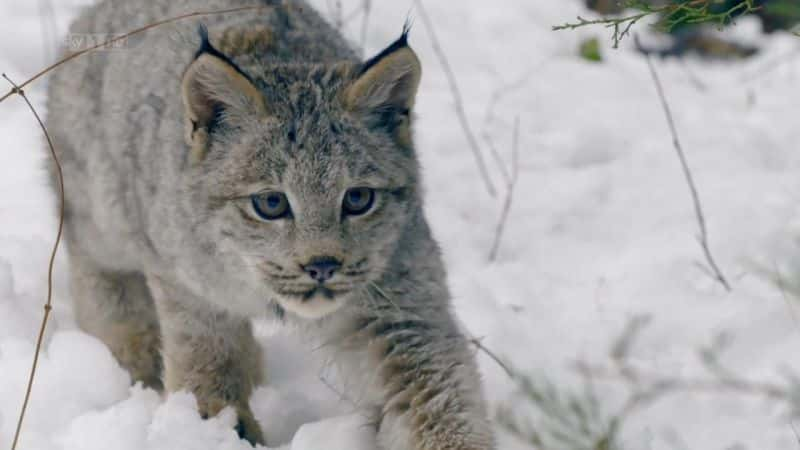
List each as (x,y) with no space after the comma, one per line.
(385,89)
(215,90)
(207,48)
(205,43)
(401,42)
(408,25)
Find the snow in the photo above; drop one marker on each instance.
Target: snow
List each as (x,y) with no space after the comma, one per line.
(601,230)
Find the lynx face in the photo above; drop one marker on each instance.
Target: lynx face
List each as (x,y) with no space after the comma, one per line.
(305,176)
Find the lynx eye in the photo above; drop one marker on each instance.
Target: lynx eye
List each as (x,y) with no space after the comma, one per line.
(358,201)
(270,205)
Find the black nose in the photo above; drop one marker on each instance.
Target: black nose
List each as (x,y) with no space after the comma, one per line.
(322,268)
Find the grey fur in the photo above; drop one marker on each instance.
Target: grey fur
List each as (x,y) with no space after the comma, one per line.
(142,204)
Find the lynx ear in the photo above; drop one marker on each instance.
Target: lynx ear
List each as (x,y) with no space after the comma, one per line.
(386,87)
(215,89)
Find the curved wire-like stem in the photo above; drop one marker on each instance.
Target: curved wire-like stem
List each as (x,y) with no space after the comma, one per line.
(18,89)
(48,306)
(139,30)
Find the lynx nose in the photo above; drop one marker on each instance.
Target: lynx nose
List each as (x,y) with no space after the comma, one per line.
(322,268)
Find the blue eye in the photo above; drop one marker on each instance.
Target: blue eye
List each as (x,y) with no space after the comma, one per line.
(358,201)
(270,205)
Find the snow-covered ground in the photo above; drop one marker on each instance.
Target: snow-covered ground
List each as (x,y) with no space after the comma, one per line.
(601,230)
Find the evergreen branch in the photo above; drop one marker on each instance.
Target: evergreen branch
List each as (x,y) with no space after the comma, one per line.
(671,15)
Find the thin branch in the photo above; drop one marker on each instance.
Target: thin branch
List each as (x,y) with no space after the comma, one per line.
(497,158)
(459,103)
(48,305)
(18,89)
(566,419)
(504,366)
(699,84)
(782,287)
(501,225)
(698,208)
(340,394)
(620,25)
(647,387)
(66,59)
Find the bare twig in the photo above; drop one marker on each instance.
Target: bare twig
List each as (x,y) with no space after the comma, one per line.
(621,348)
(794,430)
(653,386)
(18,89)
(504,366)
(566,419)
(782,287)
(646,388)
(512,182)
(497,158)
(107,43)
(698,208)
(692,76)
(459,103)
(342,396)
(48,305)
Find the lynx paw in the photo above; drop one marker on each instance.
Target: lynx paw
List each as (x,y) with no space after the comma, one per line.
(246,425)
(248,429)
(138,351)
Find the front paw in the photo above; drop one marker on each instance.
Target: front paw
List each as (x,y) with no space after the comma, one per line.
(248,428)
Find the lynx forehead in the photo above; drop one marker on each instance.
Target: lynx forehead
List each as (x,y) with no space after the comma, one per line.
(259,167)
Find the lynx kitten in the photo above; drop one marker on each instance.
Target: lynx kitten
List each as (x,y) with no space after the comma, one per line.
(258,168)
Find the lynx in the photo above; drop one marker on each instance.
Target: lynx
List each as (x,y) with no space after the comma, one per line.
(257,167)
